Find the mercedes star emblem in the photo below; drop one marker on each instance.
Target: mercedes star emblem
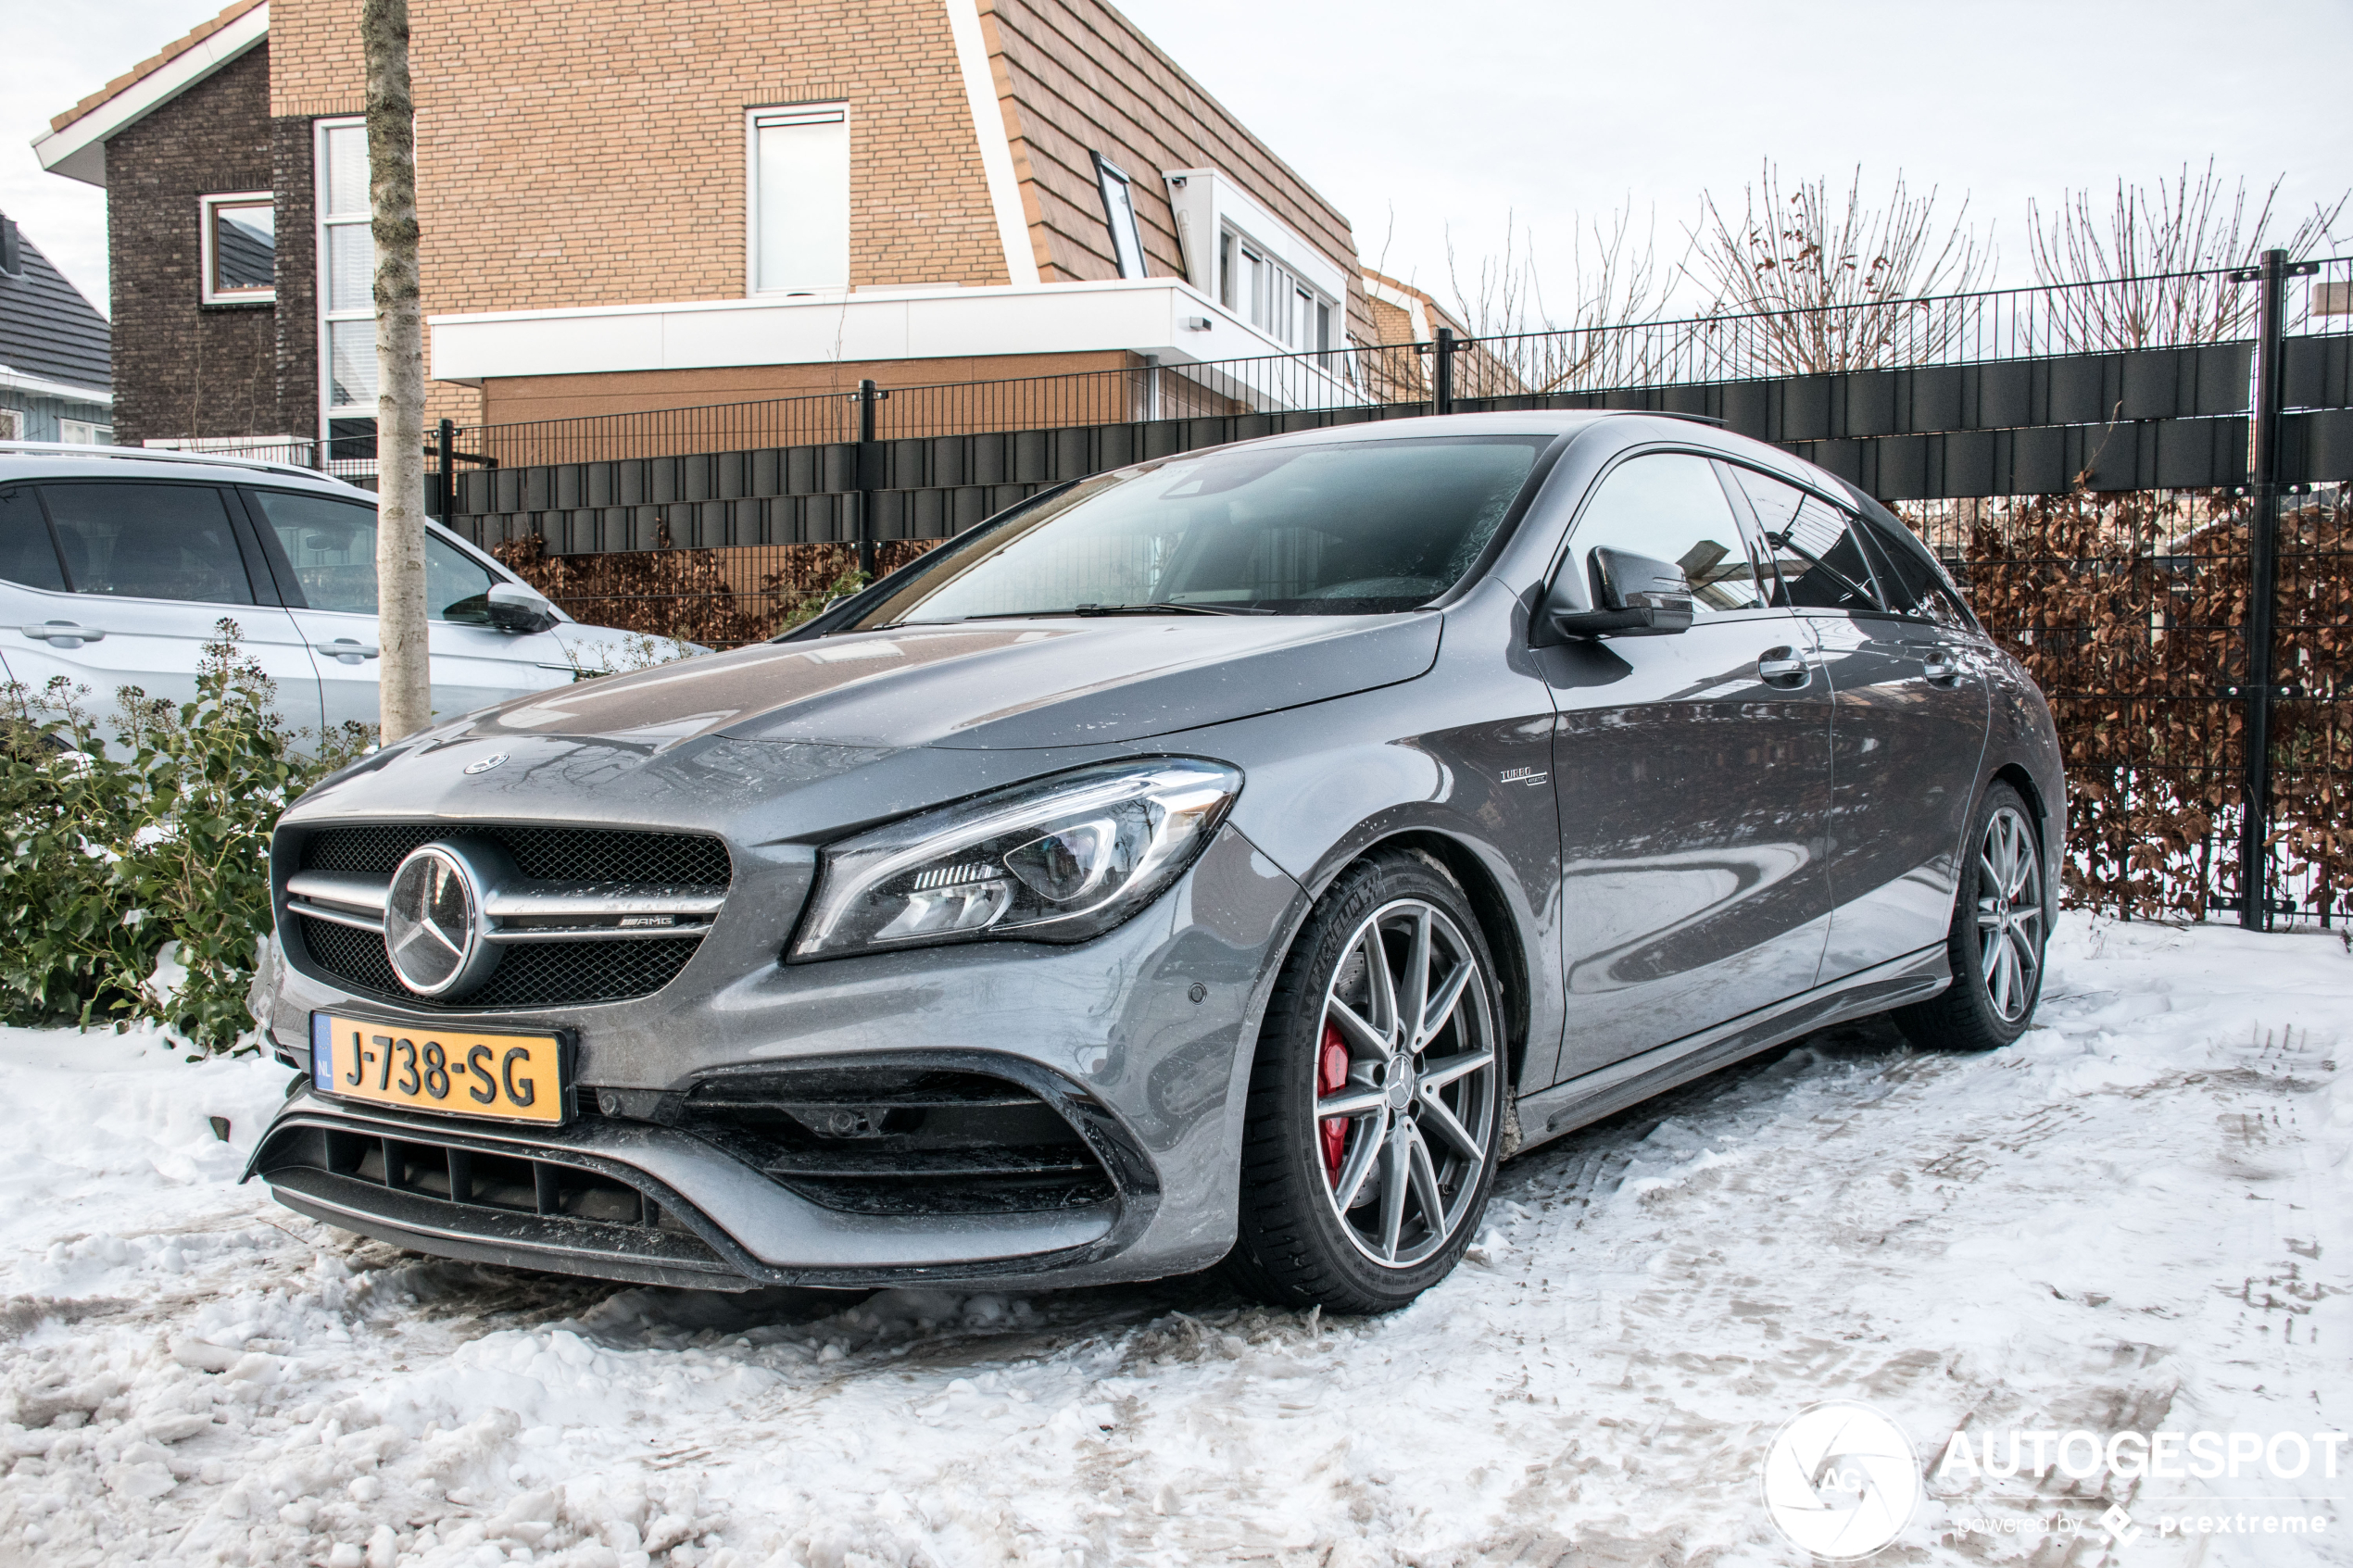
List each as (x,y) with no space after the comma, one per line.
(433,924)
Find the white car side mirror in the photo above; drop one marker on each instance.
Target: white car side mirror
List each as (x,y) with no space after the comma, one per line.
(514,607)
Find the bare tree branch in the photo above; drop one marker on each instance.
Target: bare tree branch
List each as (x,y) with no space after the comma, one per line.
(2162,251)
(1832,282)
(1614,284)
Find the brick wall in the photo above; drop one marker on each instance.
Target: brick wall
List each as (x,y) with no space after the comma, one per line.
(182,368)
(592,152)
(297,335)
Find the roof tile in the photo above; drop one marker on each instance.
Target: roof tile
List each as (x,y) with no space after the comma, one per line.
(155,61)
(47,329)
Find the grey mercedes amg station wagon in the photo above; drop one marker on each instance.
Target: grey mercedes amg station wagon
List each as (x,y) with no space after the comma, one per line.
(1232,857)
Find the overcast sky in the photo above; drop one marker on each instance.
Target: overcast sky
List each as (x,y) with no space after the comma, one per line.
(1417,121)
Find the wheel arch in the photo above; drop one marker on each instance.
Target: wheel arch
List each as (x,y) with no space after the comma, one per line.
(2015,775)
(2049,826)
(1489,905)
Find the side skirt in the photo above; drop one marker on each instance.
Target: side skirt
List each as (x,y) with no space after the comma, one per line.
(1563,1108)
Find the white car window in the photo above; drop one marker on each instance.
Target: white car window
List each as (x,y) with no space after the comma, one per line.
(27,558)
(332,547)
(148,541)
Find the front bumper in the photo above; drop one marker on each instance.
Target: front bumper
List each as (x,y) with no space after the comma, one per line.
(1109,1035)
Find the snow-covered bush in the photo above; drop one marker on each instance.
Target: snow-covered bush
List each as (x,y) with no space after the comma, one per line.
(135,877)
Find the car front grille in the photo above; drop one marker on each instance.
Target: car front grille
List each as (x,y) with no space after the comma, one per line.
(539,975)
(542,854)
(907,1141)
(552,973)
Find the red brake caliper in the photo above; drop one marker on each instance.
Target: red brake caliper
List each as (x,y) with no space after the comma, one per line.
(1331,1074)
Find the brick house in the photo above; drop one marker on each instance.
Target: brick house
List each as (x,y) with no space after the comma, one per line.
(626,208)
(54,371)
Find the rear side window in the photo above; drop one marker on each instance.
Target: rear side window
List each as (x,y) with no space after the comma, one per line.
(1909,578)
(332,547)
(1816,551)
(1669,506)
(27,556)
(149,542)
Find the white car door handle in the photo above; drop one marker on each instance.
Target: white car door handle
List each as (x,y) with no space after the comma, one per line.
(63,633)
(347,650)
(1784,667)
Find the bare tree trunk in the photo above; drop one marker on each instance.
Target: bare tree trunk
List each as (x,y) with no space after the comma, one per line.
(405,670)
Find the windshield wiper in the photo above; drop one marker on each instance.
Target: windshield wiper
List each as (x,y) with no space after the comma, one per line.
(1160,607)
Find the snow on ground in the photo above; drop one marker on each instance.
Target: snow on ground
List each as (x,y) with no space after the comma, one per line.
(2133,1219)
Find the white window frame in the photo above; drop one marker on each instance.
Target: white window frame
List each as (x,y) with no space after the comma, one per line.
(84,433)
(206,207)
(1263,289)
(12,424)
(1119,215)
(829,113)
(323,224)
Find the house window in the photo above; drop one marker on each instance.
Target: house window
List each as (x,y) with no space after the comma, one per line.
(800,198)
(83,433)
(239,245)
(1271,297)
(1119,212)
(11,424)
(347,291)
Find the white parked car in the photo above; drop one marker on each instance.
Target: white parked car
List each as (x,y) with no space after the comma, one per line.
(116,564)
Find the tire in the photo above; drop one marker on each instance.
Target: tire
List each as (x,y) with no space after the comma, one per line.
(2001,927)
(1417,1147)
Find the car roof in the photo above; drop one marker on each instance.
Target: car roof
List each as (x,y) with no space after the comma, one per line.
(1630,426)
(56,459)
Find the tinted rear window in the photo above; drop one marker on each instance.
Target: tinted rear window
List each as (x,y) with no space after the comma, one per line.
(26,555)
(149,542)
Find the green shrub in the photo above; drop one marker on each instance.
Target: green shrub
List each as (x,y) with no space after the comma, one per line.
(135,881)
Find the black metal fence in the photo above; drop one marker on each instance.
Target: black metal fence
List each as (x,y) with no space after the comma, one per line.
(2125,321)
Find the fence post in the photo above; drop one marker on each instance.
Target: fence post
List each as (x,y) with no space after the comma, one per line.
(870,475)
(446,438)
(1443,377)
(2262,589)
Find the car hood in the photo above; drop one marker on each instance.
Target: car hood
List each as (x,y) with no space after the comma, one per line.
(1004,685)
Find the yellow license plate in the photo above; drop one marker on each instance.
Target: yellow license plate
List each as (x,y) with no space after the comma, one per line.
(456,1072)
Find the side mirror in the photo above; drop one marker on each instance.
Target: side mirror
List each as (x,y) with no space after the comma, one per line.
(1633,597)
(514,607)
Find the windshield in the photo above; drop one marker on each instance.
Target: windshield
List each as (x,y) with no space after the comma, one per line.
(1361,528)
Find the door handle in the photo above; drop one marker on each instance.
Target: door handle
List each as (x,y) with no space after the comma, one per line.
(1941,663)
(63,633)
(348,649)
(1784,667)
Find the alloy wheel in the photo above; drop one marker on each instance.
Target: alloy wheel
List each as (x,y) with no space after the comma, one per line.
(2009,914)
(1407,1076)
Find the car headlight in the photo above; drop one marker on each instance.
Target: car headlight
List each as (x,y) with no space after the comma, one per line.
(1058,860)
